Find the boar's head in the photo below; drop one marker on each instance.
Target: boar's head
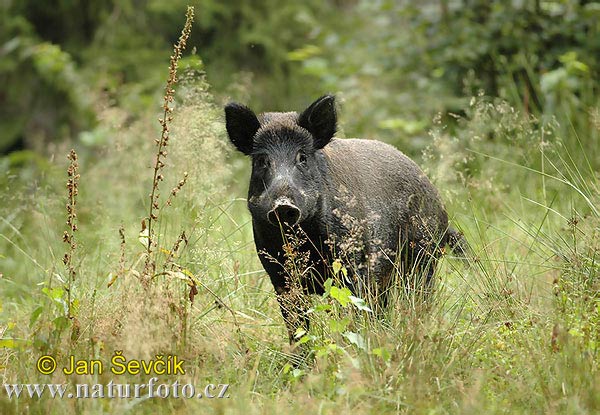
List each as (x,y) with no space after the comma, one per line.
(287,164)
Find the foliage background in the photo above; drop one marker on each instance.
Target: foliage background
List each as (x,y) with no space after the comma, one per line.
(497,100)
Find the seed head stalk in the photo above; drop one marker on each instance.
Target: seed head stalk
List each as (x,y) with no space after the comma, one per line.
(69,235)
(163,142)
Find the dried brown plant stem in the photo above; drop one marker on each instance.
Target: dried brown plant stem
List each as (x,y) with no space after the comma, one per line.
(163,142)
(175,250)
(176,189)
(122,249)
(69,235)
(121,270)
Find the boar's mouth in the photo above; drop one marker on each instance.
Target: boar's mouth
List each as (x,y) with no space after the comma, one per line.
(284,211)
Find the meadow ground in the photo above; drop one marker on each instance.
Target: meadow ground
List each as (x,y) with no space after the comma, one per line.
(514,330)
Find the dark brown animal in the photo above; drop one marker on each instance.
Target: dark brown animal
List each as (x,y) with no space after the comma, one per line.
(360,200)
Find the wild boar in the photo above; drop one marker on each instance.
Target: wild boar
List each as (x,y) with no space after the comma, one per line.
(334,191)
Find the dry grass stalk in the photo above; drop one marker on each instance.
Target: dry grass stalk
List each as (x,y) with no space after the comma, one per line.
(69,235)
(163,142)
(176,189)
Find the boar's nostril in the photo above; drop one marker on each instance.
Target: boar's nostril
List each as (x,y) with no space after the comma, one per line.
(284,213)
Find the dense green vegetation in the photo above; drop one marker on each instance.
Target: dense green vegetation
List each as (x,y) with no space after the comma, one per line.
(498,101)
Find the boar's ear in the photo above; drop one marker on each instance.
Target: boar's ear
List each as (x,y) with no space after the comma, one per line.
(320,120)
(241,125)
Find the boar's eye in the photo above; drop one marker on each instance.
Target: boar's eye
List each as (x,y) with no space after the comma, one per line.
(301,158)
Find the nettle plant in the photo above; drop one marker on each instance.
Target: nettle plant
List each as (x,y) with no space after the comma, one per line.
(339,321)
(338,317)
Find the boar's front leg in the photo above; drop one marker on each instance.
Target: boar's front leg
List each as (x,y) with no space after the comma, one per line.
(292,299)
(293,303)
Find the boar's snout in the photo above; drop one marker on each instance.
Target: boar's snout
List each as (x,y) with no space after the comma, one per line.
(284,211)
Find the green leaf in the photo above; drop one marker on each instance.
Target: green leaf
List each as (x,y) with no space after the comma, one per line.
(74,307)
(305,339)
(297,373)
(327,287)
(320,308)
(55,293)
(334,348)
(60,323)
(337,266)
(35,315)
(8,343)
(382,353)
(342,295)
(331,348)
(356,339)
(299,333)
(338,326)
(360,303)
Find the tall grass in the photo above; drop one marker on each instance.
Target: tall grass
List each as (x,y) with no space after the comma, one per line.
(514,331)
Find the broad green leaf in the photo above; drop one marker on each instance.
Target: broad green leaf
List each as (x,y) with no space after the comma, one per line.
(342,295)
(356,339)
(74,307)
(297,373)
(320,308)
(60,323)
(345,272)
(360,303)
(338,326)
(331,348)
(382,353)
(305,339)
(8,343)
(327,287)
(337,266)
(35,315)
(55,293)
(299,333)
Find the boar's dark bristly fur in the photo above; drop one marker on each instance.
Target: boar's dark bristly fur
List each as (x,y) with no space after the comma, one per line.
(304,178)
